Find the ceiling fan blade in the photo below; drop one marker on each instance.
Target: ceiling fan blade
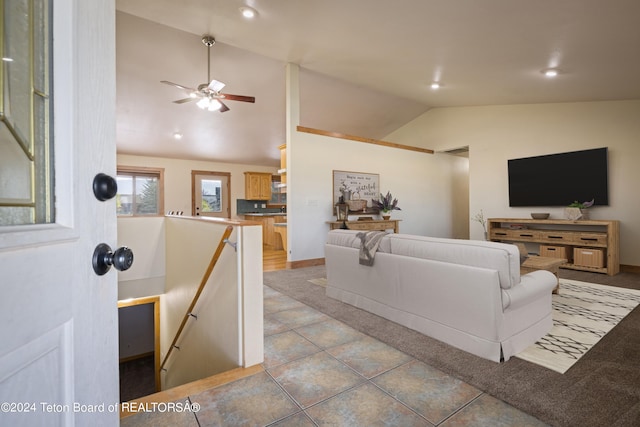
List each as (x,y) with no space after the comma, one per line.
(238,98)
(178,86)
(224,107)
(182,101)
(216,86)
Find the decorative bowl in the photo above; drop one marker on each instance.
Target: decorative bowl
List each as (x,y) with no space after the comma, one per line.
(539,215)
(357,205)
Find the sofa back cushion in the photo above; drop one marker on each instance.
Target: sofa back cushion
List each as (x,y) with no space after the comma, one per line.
(504,258)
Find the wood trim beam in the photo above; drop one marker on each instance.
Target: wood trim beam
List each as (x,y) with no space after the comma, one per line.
(362,139)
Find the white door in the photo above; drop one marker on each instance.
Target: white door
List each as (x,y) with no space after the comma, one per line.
(211,194)
(58,319)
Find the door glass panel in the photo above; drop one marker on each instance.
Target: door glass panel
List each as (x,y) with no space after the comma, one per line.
(211,195)
(26,184)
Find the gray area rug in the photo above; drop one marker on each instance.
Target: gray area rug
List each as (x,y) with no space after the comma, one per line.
(602,388)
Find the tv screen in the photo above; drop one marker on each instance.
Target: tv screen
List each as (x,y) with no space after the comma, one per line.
(559,179)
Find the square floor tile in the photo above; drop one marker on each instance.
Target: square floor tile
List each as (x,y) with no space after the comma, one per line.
(280,303)
(369,357)
(298,420)
(428,391)
(489,411)
(272,326)
(314,378)
(254,400)
(297,317)
(161,418)
(365,405)
(268,292)
(285,347)
(329,333)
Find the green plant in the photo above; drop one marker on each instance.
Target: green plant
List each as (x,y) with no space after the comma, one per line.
(583,205)
(386,203)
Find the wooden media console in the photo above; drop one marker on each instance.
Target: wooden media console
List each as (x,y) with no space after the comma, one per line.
(588,245)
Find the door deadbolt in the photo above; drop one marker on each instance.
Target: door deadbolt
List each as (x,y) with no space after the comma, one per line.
(104,258)
(105,187)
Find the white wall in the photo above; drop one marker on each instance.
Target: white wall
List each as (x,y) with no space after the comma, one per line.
(422,183)
(177,178)
(495,134)
(228,331)
(145,236)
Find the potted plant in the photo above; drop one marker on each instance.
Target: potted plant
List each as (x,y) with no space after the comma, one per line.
(386,204)
(577,210)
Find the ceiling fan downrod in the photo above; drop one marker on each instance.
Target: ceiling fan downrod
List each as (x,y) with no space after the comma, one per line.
(208,41)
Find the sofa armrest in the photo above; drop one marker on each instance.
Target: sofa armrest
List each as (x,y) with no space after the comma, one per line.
(531,287)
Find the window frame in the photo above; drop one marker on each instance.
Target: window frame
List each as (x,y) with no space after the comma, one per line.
(141,171)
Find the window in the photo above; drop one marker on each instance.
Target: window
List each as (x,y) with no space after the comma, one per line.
(140,191)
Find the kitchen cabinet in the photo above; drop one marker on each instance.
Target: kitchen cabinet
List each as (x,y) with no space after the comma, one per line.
(257,186)
(270,239)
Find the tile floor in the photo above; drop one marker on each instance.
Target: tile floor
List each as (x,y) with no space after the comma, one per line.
(319,371)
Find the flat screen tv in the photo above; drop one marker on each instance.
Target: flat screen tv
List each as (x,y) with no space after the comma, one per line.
(559,179)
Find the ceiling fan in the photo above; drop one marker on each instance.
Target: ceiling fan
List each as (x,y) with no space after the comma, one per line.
(208,95)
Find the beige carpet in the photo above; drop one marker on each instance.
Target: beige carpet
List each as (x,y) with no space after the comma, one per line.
(583,313)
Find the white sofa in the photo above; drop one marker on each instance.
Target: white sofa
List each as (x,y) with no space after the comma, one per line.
(466,293)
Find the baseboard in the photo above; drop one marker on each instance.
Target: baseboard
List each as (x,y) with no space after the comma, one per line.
(630,268)
(305,263)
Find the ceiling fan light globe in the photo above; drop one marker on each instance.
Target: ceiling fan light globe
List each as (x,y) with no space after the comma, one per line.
(203,103)
(214,105)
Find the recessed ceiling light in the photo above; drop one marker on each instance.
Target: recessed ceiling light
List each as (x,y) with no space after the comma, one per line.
(248,12)
(5,59)
(550,72)
(436,85)
(177,135)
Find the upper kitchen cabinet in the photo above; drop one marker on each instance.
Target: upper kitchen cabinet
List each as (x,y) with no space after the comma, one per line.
(257,186)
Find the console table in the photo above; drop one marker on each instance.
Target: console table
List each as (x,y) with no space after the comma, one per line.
(380,225)
(599,236)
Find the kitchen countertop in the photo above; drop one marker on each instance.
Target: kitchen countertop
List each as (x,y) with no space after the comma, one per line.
(266,214)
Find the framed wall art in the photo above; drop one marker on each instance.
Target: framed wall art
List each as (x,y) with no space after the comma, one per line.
(357,188)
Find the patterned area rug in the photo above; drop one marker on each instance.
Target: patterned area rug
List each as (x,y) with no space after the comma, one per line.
(583,313)
(320,282)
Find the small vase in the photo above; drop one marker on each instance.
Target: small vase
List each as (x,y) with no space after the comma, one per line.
(386,217)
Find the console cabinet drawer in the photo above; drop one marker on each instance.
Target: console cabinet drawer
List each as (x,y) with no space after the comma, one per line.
(557,236)
(511,234)
(590,239)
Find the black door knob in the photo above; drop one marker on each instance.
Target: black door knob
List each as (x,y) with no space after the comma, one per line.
(104,258)
(105,187)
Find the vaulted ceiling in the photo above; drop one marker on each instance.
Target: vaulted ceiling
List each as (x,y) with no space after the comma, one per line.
(366,65)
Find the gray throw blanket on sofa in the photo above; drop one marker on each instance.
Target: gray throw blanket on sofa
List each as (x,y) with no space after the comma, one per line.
(369,246)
